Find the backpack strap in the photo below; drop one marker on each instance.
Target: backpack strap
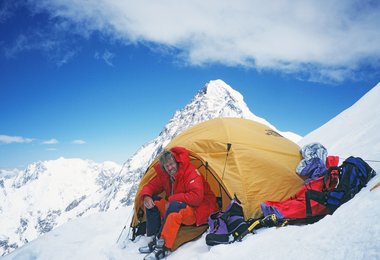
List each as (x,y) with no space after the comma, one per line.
(320,196)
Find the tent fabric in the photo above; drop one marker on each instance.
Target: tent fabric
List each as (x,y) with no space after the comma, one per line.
(237,157)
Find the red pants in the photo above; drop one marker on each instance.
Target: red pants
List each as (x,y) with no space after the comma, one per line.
(173,221)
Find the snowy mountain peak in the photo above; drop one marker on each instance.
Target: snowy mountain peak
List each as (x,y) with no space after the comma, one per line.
(218,96)
(215,100)
(31,173)
(218,88)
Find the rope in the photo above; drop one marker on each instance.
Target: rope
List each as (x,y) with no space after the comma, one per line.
(367,160)
(371,160)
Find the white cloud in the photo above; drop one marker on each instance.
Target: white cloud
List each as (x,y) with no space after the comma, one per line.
(6,139)
(19,45)
(64,57)
(50,141)
(58,48)
(107,56)
(7,9)
(290,36)
(78,141)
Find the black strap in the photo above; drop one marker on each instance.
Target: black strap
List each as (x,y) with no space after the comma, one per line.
(225,161)
(317,196)
(206,166)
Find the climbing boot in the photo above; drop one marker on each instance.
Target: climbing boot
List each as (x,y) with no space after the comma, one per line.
(159,251)
(269,221)
(148,248)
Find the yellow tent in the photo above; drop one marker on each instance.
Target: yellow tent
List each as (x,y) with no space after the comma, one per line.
(237,157)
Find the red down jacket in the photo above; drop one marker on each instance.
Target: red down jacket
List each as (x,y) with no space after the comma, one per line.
(189,186)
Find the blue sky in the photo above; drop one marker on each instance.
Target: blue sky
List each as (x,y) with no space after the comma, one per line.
(98,79)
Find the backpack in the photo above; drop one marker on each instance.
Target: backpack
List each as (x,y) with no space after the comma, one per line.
(227,226)
(353,175)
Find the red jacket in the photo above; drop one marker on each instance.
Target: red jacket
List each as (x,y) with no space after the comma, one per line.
(189,186)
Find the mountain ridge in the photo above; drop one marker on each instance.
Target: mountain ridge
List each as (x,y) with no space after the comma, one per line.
(103,187)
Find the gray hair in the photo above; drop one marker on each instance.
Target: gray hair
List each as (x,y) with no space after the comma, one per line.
(166,156)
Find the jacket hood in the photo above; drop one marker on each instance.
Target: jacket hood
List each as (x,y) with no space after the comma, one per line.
(181,155)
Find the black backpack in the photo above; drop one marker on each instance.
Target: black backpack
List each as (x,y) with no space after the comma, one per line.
(353,175)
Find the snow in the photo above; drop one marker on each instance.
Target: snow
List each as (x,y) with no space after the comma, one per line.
(48,194)
(352,232)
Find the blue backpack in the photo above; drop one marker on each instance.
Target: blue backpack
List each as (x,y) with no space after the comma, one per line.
(353,175)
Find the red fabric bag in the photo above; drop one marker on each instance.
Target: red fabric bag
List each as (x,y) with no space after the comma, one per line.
(295,206)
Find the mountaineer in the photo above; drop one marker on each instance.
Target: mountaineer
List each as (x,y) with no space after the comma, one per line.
(188,200)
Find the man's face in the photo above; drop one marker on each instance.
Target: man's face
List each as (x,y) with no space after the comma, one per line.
(171,166)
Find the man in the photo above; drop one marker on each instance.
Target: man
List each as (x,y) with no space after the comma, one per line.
(188,200)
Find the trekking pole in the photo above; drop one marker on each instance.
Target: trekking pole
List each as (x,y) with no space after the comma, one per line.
(128,219)
(376,186)
(125,226)
(122,231)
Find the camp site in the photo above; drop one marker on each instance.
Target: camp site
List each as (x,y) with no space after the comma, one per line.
(246,160)
(228,144)
(189,130)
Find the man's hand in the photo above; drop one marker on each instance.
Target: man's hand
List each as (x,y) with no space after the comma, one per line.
(148,202)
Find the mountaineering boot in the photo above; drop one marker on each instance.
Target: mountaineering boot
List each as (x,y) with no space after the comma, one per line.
(159,251)
(148,248)
(269,221)
(273,221)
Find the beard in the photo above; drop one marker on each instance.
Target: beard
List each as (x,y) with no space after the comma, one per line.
(172,172)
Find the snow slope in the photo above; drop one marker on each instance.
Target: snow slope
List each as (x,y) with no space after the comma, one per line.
(352,232)
(353,131)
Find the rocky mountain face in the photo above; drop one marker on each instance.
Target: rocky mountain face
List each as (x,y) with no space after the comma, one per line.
(50,193)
